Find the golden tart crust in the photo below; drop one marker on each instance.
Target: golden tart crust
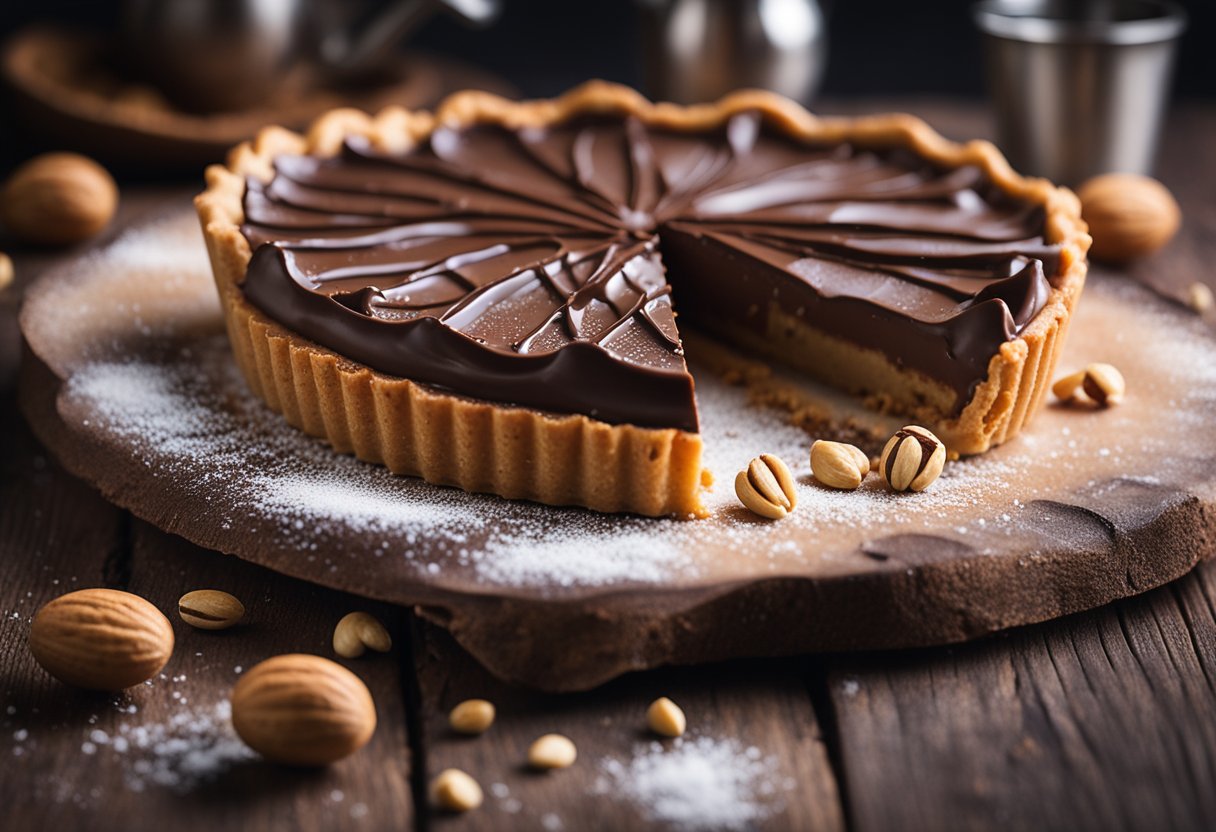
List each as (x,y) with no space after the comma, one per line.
(518,452)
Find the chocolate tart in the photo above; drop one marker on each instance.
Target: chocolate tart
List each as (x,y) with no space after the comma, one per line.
(486,296)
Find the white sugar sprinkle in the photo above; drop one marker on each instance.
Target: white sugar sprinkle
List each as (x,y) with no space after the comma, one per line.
(698,784)
(175,401)
(189,748)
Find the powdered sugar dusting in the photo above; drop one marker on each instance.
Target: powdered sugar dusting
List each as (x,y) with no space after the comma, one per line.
(164,396)
(191,747)
(698,783)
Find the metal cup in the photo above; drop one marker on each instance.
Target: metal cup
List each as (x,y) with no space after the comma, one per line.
(1080,86)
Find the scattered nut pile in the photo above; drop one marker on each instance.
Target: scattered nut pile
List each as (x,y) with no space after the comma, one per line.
(457,791)
(1101,384)
(295,709)
(911,461)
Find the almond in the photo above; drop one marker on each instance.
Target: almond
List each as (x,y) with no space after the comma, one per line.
(101,639)
(58,199)
(1129,216)
(302,710)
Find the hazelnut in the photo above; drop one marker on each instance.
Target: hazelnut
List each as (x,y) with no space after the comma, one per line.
(58,199)
(1129,216)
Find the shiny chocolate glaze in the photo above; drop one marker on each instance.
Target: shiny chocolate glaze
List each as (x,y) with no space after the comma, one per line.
(535,266)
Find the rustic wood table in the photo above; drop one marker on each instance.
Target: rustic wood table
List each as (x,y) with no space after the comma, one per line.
(1102,720)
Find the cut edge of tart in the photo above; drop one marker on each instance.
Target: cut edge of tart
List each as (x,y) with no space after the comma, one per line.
(573,459)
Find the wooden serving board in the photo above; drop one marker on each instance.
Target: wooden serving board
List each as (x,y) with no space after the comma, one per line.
(130,382)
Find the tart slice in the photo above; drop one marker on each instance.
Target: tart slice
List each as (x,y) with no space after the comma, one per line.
(486,297)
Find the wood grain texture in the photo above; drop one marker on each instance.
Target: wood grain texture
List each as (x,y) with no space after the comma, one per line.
(56,535)
(1105,720)
(368,790)
(762,705)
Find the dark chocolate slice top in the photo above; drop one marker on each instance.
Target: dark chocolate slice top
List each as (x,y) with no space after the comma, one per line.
(536,266)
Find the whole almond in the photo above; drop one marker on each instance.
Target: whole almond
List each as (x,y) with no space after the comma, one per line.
(1129,216)
(210,609)
(358,631)
(302,710)
(101,639)
(912,459)
(839,465)
(58,199)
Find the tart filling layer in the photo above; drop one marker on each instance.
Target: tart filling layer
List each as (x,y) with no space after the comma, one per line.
(538,266)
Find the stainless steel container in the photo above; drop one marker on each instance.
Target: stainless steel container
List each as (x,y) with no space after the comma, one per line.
(1080,87)
(699,50)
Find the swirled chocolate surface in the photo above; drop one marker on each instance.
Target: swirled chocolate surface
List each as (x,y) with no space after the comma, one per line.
(536,266)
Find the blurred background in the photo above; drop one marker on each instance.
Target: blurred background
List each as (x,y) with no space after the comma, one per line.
(876,50)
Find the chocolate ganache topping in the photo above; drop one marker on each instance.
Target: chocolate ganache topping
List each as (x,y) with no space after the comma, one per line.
(535,266)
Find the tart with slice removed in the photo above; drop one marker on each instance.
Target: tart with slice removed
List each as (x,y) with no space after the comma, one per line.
(486,296)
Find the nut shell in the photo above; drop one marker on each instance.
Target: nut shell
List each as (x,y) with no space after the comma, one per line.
(101,639)
(766,487)
(1129,216)
(210,609)
(358,631)
(912,459)
(58,199)
(838,464)
(303,710)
